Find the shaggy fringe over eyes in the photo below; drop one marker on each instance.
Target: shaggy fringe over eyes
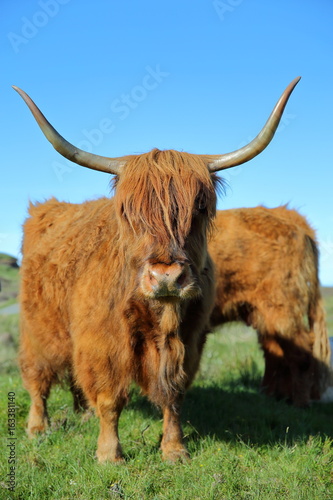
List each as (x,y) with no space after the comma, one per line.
(157,193)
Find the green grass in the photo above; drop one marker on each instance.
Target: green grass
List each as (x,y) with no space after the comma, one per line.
(243,445)
(9,279)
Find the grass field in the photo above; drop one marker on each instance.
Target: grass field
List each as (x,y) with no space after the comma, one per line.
(243,445)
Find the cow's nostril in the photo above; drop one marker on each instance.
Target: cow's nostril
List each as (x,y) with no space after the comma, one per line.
(181,279)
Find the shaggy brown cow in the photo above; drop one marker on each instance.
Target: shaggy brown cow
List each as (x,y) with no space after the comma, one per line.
(267,276)
(121,290)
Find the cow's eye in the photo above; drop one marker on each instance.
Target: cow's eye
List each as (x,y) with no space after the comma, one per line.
(201,204)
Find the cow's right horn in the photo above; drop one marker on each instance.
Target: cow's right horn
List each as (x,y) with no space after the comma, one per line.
(66,149)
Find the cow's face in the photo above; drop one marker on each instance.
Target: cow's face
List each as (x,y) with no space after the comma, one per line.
(165,202)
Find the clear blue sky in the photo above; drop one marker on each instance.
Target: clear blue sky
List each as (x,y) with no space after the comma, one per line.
(124,77)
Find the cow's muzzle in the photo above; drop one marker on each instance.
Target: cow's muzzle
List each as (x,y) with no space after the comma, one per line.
(162,280)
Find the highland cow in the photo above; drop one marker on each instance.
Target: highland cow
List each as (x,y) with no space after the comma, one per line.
(121,290)
(267,277)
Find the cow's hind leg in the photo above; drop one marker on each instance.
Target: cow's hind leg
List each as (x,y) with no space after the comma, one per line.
(302,367)
(289,367)
(80,403)
(108,411)
(172,442)
(276,381)
(277,377)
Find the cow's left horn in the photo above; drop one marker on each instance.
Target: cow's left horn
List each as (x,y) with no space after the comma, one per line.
(66,149)
(259,143)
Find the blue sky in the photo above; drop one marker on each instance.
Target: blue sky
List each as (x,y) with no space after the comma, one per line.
(123,77)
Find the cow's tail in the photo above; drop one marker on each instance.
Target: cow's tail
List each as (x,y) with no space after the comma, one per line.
(321,347)
(321,350)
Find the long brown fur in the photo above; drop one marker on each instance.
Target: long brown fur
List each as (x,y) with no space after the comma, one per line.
(267,276)
(83,305)
(158,192)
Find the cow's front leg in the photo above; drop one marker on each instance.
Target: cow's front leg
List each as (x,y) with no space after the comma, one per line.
(108,411)
(172,442)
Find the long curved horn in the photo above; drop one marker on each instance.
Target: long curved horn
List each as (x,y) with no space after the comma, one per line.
(66,149)
(259,143)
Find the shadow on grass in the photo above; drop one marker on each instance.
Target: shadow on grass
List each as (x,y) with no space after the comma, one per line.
(241,413)
(234,415)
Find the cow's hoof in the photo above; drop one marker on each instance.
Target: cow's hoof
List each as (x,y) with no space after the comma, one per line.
(107,457)
(176,455)
(36,428)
